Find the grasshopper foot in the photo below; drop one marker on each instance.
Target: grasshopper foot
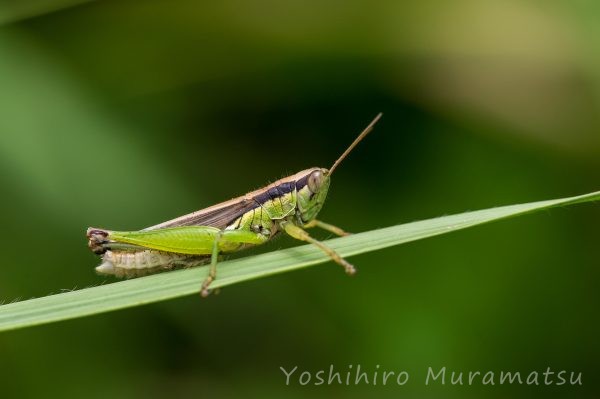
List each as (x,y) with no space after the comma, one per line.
(204,290)
(348,268)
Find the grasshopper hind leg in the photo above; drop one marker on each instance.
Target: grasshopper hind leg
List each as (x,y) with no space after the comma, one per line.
(212,271)
(229,241)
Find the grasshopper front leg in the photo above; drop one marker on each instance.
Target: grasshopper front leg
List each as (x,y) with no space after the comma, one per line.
(326,226)
(302,235)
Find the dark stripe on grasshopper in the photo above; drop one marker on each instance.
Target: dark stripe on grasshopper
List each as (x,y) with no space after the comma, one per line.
(286,188)
(274,193)
(301,183)
(266,196)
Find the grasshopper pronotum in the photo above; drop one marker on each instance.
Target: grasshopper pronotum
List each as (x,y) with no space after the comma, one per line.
(289,205)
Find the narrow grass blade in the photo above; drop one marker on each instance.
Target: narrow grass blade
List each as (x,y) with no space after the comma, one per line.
(164,286)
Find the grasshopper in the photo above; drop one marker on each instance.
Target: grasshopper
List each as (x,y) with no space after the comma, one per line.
(290,205)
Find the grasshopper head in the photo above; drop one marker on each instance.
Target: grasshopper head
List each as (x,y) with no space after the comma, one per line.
(312,191)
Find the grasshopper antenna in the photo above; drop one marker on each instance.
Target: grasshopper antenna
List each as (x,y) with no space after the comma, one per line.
(360,137)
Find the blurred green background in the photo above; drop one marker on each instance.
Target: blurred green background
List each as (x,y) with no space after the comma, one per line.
(123,114)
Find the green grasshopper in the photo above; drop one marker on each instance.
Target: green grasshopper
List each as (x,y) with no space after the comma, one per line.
(289,205)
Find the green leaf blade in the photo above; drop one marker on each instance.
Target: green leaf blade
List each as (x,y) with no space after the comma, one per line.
(174,284)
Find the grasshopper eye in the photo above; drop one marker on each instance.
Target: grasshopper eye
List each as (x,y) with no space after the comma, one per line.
(315,181)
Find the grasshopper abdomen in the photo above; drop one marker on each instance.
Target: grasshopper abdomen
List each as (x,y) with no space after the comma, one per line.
(142,262)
